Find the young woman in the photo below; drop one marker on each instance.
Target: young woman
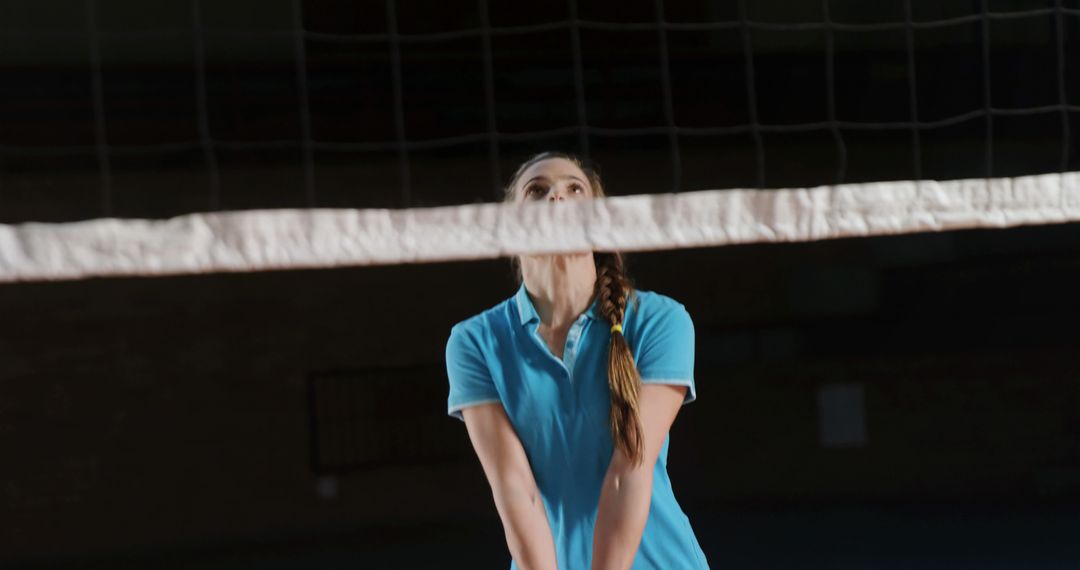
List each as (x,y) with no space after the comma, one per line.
(567,390)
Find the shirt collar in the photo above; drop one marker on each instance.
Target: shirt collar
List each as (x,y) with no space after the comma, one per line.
(527,312)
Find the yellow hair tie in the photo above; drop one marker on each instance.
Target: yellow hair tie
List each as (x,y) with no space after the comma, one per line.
(615,328)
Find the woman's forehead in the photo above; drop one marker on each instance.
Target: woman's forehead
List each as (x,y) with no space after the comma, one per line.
(553,168)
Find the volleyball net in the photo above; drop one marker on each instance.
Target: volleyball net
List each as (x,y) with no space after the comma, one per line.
(297,239)
(670,116)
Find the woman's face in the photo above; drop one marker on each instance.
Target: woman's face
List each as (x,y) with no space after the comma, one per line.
(553,180)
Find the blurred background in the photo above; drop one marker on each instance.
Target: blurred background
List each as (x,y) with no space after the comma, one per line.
(889,402)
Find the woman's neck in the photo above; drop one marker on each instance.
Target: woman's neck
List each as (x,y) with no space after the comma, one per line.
(561,286)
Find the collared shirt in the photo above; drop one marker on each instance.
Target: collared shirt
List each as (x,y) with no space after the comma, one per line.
(559,409)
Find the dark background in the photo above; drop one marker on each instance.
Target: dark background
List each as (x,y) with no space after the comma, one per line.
(297,419)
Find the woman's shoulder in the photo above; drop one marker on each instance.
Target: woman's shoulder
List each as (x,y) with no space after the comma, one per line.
(651,303)
(654,312)
(485,320)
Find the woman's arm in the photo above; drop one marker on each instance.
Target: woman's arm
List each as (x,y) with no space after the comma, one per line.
(627,489)
(517,497)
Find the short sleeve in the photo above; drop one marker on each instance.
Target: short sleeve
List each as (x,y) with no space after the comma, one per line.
(666,351)
(470,378)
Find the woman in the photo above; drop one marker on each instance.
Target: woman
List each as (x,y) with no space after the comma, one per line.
(567,390)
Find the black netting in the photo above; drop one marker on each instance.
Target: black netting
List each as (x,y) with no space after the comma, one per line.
(307,86)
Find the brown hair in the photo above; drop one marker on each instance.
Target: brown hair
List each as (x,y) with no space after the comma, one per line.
(613,290)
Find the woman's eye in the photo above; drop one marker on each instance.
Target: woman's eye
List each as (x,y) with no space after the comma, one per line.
(577,189)
(534,191)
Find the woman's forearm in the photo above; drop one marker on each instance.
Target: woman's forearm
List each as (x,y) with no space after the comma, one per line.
(620,520)
(528,535)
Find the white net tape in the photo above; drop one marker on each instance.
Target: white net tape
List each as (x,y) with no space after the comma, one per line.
(258,240)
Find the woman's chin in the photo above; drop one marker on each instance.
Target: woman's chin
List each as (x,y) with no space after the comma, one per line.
(553,257)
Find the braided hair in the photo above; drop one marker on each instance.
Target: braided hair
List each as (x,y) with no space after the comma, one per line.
(613,291)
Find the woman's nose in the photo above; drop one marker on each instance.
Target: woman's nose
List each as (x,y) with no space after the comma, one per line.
(556,195)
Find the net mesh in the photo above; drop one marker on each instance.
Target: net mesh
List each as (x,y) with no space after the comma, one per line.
(203,238)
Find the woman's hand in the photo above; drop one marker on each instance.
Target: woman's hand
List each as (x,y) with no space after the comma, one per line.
(627,491)
(517,498)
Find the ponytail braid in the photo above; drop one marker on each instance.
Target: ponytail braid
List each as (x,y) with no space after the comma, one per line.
(612,291)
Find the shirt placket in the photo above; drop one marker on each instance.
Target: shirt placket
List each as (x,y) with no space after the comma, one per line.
(570,349)
(573,345)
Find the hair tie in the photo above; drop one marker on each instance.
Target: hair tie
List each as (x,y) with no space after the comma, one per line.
(616,328)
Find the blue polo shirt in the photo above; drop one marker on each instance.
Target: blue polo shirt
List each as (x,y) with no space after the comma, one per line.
(559,409)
